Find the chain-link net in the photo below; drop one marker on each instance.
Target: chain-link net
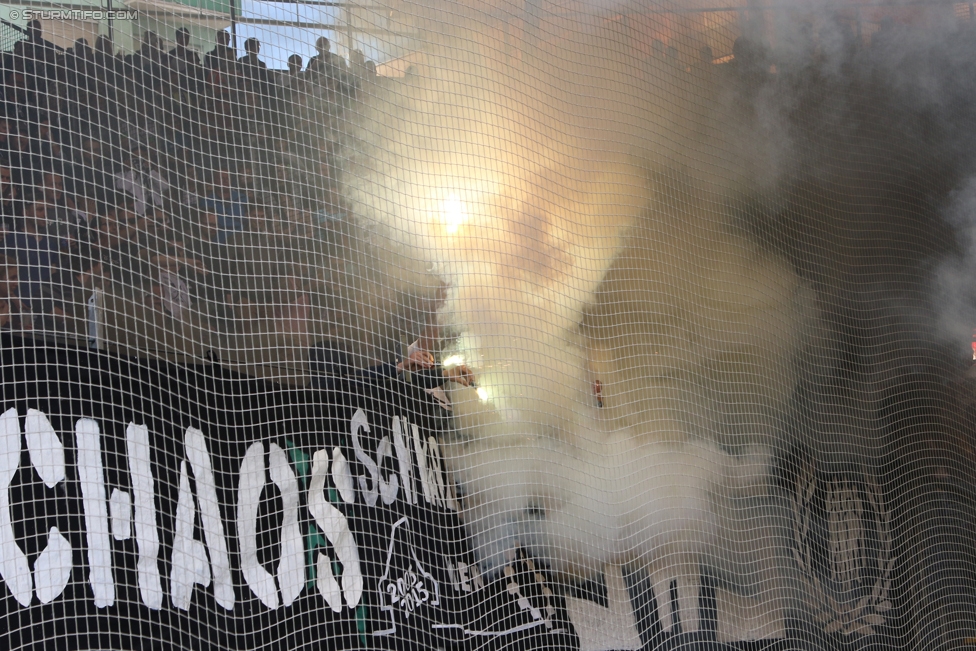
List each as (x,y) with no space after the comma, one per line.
(544,325)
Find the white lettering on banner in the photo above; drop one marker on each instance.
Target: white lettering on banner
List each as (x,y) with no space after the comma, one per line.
(542,611)
(342,478)
(420,449)
(388,488)
(120,512)
(684,609)
(368,486)
(13,562)
(198,563)
(445,489)
(408,591)
(377,486)
(403,460)
(92,479)
(46,450)
(436,489)
(336,528)
(52,569)
(291,566)
(464,577)
(213,526)
(190,566)
(144,496)
(248,498)
(433,471)
(189,563)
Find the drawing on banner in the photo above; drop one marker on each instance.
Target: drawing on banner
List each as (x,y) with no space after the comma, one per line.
(545,613)
(534,598)
(848,588)
(404,589)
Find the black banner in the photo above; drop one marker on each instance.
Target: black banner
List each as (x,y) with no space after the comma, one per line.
(145,503)
(151,504)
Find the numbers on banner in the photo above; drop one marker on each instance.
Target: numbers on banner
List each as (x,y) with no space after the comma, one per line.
(408,592)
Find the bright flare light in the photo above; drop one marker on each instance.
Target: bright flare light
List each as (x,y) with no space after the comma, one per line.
(453,212)
(453,360)
(482,393)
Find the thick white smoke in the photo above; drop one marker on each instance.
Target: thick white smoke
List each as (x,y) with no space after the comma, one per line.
(563,199)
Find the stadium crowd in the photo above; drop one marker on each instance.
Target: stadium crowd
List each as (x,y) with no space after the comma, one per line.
(196,199)
(162,181)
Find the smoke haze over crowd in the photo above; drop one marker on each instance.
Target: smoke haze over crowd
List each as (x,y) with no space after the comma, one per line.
(749,257)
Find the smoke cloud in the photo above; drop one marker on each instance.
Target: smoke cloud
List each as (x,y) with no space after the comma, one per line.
(742,261)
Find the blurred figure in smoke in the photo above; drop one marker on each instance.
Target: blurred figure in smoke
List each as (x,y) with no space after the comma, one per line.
(673,59)
(884,42)
(357,69)
(328,362)
(326,358)
(293,79)
(326,68)
(839,42)
(749,62)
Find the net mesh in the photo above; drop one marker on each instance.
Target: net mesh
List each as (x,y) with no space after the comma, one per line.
(530,325)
